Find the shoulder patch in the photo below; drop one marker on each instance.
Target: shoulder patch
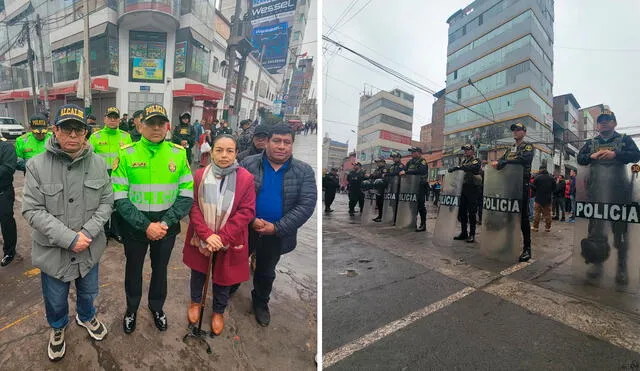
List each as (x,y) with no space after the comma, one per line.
(474,161)
(423,162)
(127,145)
(116,162)
(3,139)
(176,145)
(528,147)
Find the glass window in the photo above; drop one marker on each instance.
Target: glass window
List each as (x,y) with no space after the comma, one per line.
(385,119)
(147,54)
(387,104)
(462,117)
(475,22)
(225,69)
(251,88)
(296,35)
(103,56)
(216,65)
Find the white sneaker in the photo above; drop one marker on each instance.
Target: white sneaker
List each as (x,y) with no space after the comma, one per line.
(57,346)
(95,328)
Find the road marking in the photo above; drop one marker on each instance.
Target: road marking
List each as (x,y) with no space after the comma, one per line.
(17,321)
(515,268)
(32,272)
(347,350)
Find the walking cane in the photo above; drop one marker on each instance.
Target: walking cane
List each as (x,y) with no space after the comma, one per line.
(196,332)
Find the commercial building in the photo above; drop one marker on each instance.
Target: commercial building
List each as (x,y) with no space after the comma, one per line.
(333,153)
(499,71)
(384,124)
(167,51)
(300,86)
(566,133)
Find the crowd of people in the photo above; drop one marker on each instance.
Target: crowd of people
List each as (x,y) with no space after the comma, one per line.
(127,182)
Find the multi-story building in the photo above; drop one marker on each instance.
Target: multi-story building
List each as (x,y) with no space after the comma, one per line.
(333,153)
(566,133)
(499,71)
(300,86)
(170,52)
(309,109)
(384,124)
(589,116)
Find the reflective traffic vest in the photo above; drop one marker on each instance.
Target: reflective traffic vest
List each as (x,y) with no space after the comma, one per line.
(27,146)
(151,175)
(106,143)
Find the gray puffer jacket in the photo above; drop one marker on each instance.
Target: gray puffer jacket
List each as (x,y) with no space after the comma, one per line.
(299,197)
(62,197)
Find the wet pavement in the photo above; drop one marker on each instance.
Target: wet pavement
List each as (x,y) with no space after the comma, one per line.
(394,300)
(289,343)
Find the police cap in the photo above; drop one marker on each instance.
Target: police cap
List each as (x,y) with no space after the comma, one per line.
(261,130)
(395,154)
(518,126)
(467,147)
(154,110)
(113,111)
(606,115)
(69,112)
(38,122)
(185,114)
(415,149)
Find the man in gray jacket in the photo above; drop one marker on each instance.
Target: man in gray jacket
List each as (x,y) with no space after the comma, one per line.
(286,197)
(68,198)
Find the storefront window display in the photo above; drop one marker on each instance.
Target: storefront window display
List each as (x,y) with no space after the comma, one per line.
(147,56)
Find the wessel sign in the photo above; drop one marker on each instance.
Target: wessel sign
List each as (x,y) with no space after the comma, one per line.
(269,10)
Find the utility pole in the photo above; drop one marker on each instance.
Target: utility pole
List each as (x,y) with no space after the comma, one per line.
(231,52)
(30,56)
(255,91)
(85,55)
(44,75)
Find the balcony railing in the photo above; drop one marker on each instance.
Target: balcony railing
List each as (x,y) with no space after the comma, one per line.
(171,7)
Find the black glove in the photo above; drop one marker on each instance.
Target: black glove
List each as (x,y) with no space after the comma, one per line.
(501,163)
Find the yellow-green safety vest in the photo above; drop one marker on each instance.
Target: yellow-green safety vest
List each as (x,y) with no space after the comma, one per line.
(106,143)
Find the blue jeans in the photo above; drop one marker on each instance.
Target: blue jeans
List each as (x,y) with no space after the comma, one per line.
(56,293)
(532,201)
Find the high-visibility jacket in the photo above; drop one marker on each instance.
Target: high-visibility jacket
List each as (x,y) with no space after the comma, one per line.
(152,182)
(28,146)
(106,143)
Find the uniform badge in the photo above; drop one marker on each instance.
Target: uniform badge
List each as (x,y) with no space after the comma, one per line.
(184,131)
(172,166)
(635,168)
(139,164)
(27,150)
(115,164)
(528,147)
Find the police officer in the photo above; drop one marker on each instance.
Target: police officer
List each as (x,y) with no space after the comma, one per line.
(106,142)
(224,129)
(520,153)
(32,144)
(124,123)
(245,137)
(92,124)
(153,190)
(184,134)
(355,178)
(330,184)
(396,167)
(137,121)
(613,148)
(418,166)
(8,164)
(471,184)
(379,176)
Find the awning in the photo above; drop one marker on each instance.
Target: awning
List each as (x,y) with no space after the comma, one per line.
(14,95)
(198,92)
(97,83)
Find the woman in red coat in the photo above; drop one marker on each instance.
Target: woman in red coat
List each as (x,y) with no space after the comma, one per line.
(223,206)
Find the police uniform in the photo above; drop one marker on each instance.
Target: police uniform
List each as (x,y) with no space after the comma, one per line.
(184,132)
(8,164)
(27,145)
(396,167)
(521,154)
(355,178)
(135,135)
(418,166)
(107,141)
(224,130)
(330,184)
(152,182)
(380,180)
(471,184)
(595,248)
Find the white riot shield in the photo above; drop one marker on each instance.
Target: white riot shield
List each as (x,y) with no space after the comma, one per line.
(391,200)
(370,210)
(447,225)
(607,217)
(408,201)
(502,204)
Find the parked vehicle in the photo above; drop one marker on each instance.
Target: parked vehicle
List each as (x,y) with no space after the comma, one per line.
(10,128)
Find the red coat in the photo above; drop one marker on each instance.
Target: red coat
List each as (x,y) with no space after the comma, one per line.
(232,266)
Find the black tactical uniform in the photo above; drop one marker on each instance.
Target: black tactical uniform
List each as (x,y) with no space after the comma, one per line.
(184,132)
(330,184)
(595,248)
(418,166)
(356,196)
(521,154)
(8,164)
(469,201)
(224,130)
(379,177)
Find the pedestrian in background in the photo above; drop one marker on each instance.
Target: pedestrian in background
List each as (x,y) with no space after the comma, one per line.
(572,195)
(558,199)
(544,186)
(8,165)
(330,185)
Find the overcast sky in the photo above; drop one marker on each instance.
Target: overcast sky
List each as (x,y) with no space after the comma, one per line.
(310,42)
(596,55)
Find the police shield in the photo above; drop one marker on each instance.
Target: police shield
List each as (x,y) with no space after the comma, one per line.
(607,217)
(447,222)
(408,201)
(502,204)
(391,200)
(370,210)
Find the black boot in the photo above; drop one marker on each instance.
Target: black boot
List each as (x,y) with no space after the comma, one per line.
(421,228)
(461,237)
(378,219)
(526,254)
(472,238)
(621,275)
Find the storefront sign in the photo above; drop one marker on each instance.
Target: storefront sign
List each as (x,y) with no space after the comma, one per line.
(269,10)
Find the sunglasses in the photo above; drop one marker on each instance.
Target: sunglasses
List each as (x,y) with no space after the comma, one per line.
(79,130)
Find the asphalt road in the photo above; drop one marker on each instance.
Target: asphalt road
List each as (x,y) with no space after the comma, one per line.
(394,301)
(289,343)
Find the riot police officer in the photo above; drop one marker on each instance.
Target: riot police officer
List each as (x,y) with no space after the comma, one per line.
(355,178)
(330,184)
(471,184)
(609,147)
(396,167)
(418,166)
(380,181)
(520,153)
(184,134)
